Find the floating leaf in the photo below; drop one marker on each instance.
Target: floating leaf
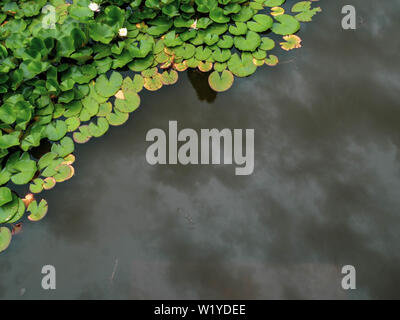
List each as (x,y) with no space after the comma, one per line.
(242,66)
(220,82)
(108,87)
(5,238)
(286,25)
(83,135)
(272,60)
(117,118)
(49,183)
(36,186)
(292,42)
(8,210)
(38,212)
(169,77)
(5,195)
(100,128)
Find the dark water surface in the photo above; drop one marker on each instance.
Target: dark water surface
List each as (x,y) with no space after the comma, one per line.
(325,191)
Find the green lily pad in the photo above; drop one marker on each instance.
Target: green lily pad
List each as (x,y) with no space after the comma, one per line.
(242,66)
(20,212)
(5,238)
(83,135)
(240,28)
(38,212)
(221,82)
(56,130)
(8,210)
(272,60)
(267,44)
(99,129)
(24,171)
(226,42)
(169,77)
(153,83)
(72,124)
(104,109)
(5,195)
(108,87)
(36,186)
(64,172)
(249,43)
(261,23)
(49,183)
(273,3)
(65,147)
(117,118)
(286,25)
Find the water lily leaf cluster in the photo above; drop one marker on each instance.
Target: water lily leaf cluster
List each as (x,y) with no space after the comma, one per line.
(63,67)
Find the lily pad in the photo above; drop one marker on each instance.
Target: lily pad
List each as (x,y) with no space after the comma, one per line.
(36,186)
(5,238)
(272,60)
(5,195)
(117,118)
(20,212)
(49,183)
(221,82)
(64,172)
(83,135)
(38,211)
(169,77)
(108,87)
(100,128)
(8,210)
(153,83)
(261,23)
(242,66)
(291,42)
(286,25)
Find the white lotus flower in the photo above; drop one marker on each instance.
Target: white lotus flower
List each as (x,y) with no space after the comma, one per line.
(123,32)
(94,7)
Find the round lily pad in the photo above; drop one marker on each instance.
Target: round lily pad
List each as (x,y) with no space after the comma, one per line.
(100,128)
(8,210)
(286,25)
(291,42)
(64,172)
(83,135)
(153,83)
(169,77)
(221,82)
(69,159)
(49,183)
(36,186)
(205,66)
(272,60)
(20,212)
(5,238)
(38,211)
(242,66)
(117,118)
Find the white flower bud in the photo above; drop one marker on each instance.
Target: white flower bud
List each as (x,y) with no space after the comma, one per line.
(94,7)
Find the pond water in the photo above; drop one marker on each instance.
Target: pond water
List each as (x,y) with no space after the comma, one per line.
(324,192)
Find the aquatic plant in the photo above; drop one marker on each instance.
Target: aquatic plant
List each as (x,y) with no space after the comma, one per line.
(60,80)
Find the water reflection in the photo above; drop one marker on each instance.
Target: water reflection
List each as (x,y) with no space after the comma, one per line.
(199,81)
